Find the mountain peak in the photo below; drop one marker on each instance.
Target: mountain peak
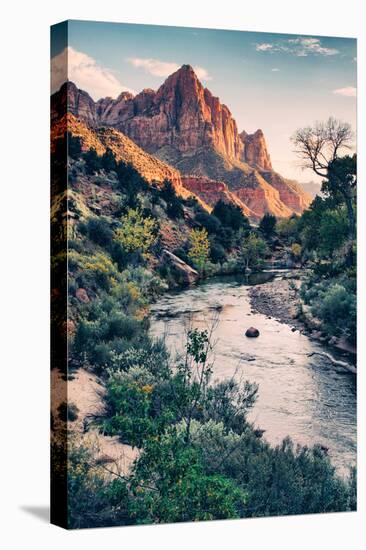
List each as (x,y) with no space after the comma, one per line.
(186,68)
(184,78)
(255,150)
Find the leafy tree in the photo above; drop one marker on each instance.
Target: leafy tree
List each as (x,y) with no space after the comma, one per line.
(310,221)
(137,232)
(267,225)
(252,250)
(218,254)
(199,251)
(342,180)
(319,146)
(333,231)
(288,228)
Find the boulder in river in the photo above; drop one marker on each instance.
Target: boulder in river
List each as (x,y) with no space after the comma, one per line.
(252,332)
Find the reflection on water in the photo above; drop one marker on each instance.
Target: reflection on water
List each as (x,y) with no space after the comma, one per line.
(304,397)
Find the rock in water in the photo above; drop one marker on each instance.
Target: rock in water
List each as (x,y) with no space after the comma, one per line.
(252,332)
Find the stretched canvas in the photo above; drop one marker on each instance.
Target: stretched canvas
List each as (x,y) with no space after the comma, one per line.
(203,222)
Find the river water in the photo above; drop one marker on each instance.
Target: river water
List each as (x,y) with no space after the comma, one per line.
(303,397)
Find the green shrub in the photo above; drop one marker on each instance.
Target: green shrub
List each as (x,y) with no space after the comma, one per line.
(278,481)
(217,253)
(337,307)
(119,325)
(333,300)
(184,492)
(99,231)
(93,500)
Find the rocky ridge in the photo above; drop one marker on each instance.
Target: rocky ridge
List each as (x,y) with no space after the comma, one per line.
(151,168)
(184,125)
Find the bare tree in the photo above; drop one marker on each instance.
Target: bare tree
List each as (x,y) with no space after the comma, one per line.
(320,145)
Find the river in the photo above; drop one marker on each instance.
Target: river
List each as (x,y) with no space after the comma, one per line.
(303,397)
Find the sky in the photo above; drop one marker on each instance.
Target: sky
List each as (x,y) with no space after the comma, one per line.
(276,82)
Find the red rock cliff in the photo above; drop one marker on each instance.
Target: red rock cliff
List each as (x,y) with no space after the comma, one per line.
(181,114)
(255,150)
(185,126)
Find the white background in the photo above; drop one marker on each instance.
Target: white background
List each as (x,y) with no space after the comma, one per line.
(24,218)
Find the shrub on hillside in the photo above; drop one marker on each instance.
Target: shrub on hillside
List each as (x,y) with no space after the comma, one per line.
(137,232)
(209,222)
(74,146)
(99,231)
(174,204)
(93,162)
(108,161)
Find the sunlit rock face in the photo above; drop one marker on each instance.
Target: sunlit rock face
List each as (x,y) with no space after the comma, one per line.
(255,150)
(184,125)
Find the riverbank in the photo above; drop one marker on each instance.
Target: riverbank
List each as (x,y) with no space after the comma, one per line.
(298,385)
(280,299)
(85,399)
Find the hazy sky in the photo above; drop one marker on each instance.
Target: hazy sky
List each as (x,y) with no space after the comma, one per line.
(276,82)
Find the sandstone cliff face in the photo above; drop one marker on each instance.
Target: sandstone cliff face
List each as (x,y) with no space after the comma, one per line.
(261,197)
(185,126)
(70,99)
(211,191)
(255,150)
(181,114)
(290,192)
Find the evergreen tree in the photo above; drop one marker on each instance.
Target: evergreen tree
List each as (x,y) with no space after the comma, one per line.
(267,225)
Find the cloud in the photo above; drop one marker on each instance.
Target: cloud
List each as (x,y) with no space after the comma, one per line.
(275,70)
(156,67)
(202,73)
(300,47)
(264,47)
(348,91)
(86,73)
